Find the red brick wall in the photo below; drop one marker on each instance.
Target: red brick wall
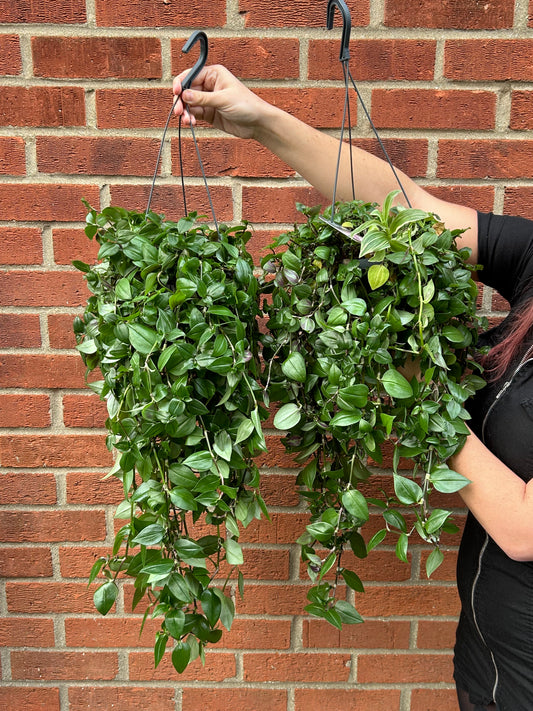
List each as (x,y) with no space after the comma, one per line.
(84,96)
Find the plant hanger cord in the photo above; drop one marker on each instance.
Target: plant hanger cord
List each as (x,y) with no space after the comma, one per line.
(195,37)
(345,59)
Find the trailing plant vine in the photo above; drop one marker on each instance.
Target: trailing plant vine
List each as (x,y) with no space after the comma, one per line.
(367,344)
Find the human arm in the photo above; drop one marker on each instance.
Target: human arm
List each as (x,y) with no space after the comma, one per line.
(500,500)
(219,98)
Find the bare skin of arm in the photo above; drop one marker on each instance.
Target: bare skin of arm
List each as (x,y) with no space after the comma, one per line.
(498,498)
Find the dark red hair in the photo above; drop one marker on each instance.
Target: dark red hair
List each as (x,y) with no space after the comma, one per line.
(500,357)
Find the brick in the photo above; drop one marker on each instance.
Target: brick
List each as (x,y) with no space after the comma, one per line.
(273,599)
(25,698)
(60,331)
(49,597)
(354,699)
(273,58)
(35,288)
(59,12)
(374,60)
(228,157)
(276,455)
(54,451)
(283,528)
(257,634)
(110,632)
(406,668)
(50,106)
(84,411)
(70,244)
(433,699)
(64,665)
(218,667)
(19,331)
(25,562)
(260,565)
(478,197)
(521,114)
(279,489)
(92,698)
(49,202)
(301,666)
(10,58)
(136,13)
(488,60)
(464,15)
(436,635)
(43,526)
(20,245)
(19,632)
(409,155)
(243,698)
(92,489)
(168,200)
(518,201)
(277,205)
(133,108)
(484,159)
(436,109)
(41,371)
(97,156)
(322,108)
(404,600)
(307,13)
(97,57)
(12,156)
(35,488)
(372,634)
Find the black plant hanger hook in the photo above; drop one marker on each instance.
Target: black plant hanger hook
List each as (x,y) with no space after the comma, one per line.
(346,26)
(201,37)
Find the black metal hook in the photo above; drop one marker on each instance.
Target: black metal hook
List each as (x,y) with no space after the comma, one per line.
(346,26)
(201,37)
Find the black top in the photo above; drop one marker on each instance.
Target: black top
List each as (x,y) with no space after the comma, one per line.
(494,647)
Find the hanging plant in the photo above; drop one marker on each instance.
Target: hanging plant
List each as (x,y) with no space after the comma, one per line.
(370,342)
(172,327)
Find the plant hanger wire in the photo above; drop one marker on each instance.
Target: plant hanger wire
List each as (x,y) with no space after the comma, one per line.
(201,37)
(344,57)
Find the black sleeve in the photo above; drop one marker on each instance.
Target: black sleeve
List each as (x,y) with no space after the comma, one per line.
(506,254)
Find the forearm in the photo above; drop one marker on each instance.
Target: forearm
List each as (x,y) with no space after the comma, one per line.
(498,498)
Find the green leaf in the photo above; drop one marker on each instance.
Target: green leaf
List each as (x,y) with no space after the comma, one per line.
(105,596)
(348,613)
(234,554)
(287,417)
(433,561)
(123,289)
(321,530)
(407,490)
(353,397)
(376,539)
(378,274)
(142,338)
(401,547)
(436,520)
(223,445)
(396,385)
(373,241)
(211,605)
(345,419)
(175,623)
(294,367)
(245,429)
(199,461)
(352,580)
(355,503)
(161,640)
(149,536)
(181,655)
(447,481)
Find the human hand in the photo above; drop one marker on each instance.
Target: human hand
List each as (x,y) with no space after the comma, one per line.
(218,97)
